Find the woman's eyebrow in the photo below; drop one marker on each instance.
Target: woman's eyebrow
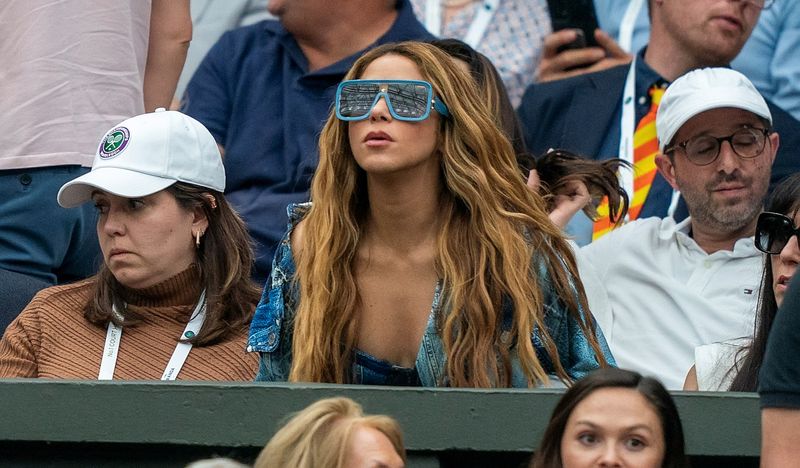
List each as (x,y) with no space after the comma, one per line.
(586,423)
(627,428)
(640,427)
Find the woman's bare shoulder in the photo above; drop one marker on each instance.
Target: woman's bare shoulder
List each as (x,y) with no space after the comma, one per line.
(298,236)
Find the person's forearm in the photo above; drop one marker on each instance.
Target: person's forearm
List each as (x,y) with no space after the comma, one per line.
(780,433)
(170,34)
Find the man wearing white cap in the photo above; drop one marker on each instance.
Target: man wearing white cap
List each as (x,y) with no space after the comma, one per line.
(672,287)
(608,114)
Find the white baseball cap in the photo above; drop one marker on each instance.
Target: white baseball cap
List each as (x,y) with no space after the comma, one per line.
(148,153)
(702,90)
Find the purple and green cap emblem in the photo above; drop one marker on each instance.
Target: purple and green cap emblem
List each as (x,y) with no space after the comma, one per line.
(115,141)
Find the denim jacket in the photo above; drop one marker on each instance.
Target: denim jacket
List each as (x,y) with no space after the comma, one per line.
(271,333)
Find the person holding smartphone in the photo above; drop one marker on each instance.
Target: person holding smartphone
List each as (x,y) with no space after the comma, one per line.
(598,114)
(509,32)
(577,44)
(769,57)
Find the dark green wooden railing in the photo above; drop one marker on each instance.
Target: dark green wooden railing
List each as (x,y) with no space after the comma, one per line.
(61,424)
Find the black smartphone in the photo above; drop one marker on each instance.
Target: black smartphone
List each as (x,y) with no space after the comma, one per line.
(574,14)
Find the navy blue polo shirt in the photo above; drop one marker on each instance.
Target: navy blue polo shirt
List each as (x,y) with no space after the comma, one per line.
(255,94)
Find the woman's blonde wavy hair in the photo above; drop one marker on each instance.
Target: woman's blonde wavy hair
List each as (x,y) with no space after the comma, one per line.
(494,239)
(319,436)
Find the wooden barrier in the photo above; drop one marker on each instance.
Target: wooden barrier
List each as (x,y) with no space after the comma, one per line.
(154,424)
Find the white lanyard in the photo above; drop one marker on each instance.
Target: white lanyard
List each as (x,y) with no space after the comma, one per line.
(114,334)
(433,20)
(627,127)
(625,38)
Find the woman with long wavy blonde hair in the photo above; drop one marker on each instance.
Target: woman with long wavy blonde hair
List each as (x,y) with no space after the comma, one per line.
(423,258)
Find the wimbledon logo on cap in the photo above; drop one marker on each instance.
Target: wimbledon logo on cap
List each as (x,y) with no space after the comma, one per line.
(115,141)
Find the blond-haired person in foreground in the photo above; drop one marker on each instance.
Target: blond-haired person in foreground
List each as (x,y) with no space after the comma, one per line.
(335,433)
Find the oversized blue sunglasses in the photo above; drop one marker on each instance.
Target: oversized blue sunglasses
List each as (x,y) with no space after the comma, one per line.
(409,100)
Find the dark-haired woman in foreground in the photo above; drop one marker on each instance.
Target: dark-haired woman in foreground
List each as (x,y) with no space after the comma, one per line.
(613,417)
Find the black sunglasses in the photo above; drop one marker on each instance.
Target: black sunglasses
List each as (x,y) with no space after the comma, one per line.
(774,231)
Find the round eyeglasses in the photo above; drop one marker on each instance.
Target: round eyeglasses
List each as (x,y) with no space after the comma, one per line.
(703,150)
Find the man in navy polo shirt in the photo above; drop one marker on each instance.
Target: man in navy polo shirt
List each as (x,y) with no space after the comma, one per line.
(265,90)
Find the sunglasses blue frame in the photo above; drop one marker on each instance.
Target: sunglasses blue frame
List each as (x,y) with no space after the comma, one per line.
(403,99)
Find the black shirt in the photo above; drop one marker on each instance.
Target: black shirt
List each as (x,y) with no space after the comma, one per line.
(779,379)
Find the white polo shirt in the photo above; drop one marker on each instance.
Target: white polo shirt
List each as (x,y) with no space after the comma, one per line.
(668,296)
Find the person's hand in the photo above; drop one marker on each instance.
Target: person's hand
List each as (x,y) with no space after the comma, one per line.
(567,201)
(556,65)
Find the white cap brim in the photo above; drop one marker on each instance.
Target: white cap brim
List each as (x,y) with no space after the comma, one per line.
(714,99)
(703,90)
(116,181)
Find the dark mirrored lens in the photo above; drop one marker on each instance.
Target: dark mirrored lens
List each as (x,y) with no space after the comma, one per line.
(355,99)
(409,100)
(773,232)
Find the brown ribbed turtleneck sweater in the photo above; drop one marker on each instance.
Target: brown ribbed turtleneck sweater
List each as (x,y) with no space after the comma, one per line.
(51,339)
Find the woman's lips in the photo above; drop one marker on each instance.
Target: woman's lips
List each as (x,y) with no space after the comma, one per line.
(117,252)
(376,139)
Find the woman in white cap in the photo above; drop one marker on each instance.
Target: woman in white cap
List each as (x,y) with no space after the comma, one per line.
(173,297)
